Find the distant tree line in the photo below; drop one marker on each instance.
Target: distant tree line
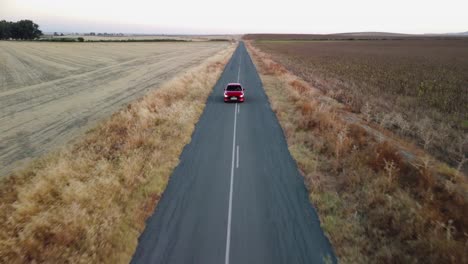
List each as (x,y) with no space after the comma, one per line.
(23,30)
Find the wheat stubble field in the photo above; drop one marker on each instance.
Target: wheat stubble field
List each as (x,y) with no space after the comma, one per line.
(51,92)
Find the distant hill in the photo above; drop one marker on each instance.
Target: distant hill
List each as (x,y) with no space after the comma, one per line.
(459,34)
(375,34)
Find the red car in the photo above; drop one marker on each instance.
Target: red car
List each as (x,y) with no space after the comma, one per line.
(234,93)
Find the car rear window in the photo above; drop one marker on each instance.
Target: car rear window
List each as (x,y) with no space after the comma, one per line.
(234,88)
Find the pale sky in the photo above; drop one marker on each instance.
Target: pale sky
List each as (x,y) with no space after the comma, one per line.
(241,16)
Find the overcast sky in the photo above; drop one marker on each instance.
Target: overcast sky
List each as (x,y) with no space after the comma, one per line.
(241,16)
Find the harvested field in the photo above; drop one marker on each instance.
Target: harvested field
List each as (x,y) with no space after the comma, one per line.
(125,37)
(417,88)
(50,92)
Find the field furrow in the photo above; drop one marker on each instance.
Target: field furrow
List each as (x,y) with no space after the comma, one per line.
(48,98)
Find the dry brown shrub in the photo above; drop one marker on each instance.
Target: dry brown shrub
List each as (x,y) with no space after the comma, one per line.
(384,153)
(359,136)
(299,86)
(307,108)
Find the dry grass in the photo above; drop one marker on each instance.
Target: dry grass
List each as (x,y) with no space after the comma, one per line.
(88,202)
(376,204)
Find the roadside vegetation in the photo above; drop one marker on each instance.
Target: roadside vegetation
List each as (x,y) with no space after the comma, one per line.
(220,39)
(380,198)
(61,39)
(416,88)
(88,202)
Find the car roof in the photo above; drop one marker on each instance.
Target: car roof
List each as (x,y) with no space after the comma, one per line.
(233,84)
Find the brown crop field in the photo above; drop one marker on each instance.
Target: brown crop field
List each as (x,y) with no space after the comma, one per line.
(50,92)
(347,36)
(380,198)
(415,87)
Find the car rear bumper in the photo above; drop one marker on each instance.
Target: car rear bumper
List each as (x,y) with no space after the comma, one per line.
(238,99)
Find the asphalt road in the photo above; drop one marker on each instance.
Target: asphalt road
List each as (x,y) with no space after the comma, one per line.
(237,195)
